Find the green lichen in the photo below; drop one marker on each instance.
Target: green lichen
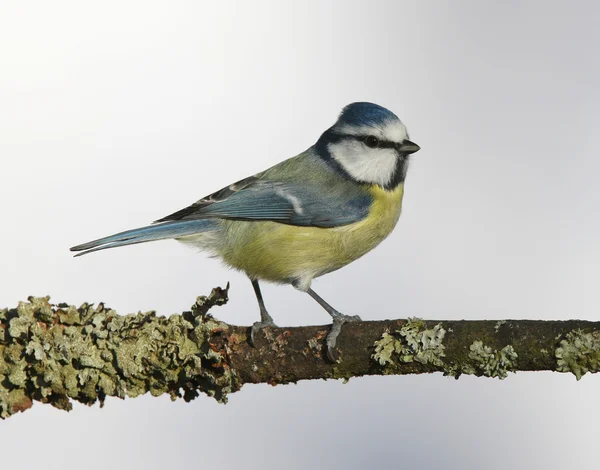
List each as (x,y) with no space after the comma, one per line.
(490,363)
(314,345)
(386,347)
(579,353)
(340,372)
(498,325)
(412,342)
(57,353)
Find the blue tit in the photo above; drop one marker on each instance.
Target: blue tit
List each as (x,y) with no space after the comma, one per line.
(304,217)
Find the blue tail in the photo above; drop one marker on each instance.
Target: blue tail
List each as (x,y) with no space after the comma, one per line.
(147,234)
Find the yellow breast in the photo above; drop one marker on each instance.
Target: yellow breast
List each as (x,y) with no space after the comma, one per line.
(283,253)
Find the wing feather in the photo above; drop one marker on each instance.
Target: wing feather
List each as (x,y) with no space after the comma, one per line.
(288,202)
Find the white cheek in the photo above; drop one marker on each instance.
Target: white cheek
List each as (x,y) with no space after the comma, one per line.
(375,166)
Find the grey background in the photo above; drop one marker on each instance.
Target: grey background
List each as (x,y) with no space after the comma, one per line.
(113,114)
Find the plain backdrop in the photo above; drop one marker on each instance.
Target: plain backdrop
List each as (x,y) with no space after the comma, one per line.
(115,113)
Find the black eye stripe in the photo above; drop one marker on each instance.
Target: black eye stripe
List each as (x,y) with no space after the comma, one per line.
(382,144)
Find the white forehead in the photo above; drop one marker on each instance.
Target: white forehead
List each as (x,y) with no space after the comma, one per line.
(391,130)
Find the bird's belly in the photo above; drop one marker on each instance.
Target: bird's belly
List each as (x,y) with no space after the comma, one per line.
(287,253)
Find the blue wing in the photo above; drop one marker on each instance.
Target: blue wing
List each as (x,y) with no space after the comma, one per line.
(294,203)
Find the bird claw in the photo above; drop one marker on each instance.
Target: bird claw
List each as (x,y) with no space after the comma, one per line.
(259,325)
(336,328)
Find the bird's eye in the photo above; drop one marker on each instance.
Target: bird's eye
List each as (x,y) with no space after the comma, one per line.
(372,141)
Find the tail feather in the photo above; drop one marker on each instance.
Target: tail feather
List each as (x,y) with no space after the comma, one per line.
(147,234)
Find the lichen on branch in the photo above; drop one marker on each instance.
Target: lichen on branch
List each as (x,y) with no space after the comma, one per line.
(60,353)
(57,353)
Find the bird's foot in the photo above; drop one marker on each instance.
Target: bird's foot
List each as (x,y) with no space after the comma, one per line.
(336,327)
(265,321)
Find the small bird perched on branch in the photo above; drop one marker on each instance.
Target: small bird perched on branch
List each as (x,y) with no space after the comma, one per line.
(304,217)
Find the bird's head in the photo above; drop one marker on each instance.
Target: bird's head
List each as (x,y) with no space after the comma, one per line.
(369,144)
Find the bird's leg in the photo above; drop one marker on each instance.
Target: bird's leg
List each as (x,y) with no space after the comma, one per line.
(265,318)
(338,320)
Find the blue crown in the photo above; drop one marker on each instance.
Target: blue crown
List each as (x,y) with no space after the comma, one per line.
(365,114)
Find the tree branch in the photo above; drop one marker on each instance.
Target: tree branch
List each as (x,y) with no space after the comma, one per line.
(59,353)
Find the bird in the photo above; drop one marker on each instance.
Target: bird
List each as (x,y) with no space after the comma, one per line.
(307,216)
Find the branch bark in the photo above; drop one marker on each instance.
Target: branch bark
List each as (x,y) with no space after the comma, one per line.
(59,353)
